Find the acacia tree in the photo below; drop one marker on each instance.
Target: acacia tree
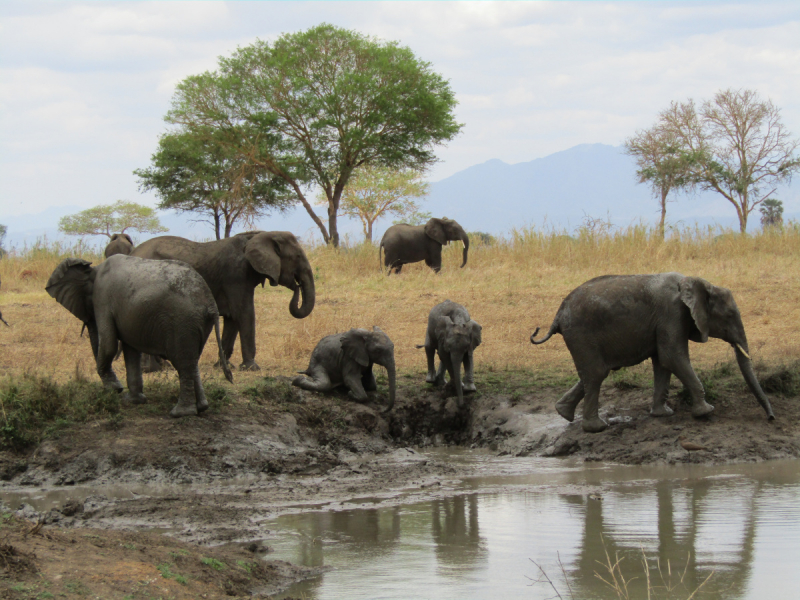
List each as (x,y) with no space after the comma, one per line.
(741,148)
(112,218)
(662,163)
(201,174)
(377,191)
(312,107)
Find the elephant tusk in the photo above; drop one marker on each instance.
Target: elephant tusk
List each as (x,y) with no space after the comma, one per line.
(746,355)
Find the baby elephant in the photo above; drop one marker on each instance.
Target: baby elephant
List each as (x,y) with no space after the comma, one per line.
(158,307)
(455,336)
(347,359)
(618,321)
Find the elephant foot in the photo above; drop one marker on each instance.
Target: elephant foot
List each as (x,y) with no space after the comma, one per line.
(113,384)
(595,425)
(183,410)
(202,406)
(468,387)
(701,410)
(661,411)
(249,366)
(431,378)
(566,410)
(134,398)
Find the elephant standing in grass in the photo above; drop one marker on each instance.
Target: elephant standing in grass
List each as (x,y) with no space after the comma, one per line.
(618,321)
(404,244)
(232,268)
(454,336)
(159,307)
(347,359)
(121,243)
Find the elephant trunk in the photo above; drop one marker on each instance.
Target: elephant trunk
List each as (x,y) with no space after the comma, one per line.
(465,240)
(457,358)
(392,374)
(746,367)
(301,311)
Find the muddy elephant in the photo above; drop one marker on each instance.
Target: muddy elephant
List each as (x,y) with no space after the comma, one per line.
(454,335)
(618,321)
(403,244)
(159,307)
(233,267)
(121,243)
(346,359)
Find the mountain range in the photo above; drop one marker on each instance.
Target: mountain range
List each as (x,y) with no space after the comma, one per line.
(559,191)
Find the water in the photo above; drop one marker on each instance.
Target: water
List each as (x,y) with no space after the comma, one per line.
(739,524)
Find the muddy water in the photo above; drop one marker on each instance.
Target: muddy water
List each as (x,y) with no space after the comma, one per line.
(739,524)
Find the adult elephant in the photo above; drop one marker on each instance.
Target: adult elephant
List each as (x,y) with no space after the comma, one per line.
(404,244)
(232,268)
(121,243)
(617,321)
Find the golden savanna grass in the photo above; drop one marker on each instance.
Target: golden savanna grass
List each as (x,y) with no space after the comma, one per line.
(509,287)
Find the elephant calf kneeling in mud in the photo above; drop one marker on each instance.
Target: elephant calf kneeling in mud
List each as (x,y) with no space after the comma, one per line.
(159,307)
(454,336)
(618,321)
(347,359)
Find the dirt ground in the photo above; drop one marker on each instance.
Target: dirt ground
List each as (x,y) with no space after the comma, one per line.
(214,480)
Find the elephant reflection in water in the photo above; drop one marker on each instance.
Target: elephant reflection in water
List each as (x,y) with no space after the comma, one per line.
(676,552)
(456,534)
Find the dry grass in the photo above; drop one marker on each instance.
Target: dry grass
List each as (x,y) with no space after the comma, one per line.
(510,288)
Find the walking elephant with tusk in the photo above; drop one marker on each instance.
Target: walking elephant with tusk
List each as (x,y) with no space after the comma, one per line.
(618,321)
(233,267)
(403,244)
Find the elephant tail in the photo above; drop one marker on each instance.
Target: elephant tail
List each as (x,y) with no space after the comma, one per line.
(553,329)
(418,346)
(223,361)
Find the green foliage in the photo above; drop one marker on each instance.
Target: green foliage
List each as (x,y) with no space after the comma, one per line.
(480,238)
(214,563)
(34,407)
(313,106)
(111,218)
(3,231)
(772,213)
(166,572)
(415,218)
(784,380)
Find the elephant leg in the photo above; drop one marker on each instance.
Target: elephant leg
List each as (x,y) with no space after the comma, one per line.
(683,370)
(247,334)
(661,377)
(397,268)
(439,381)
(368,380)
(352,380)
(430,354)
(569,401)
(152,364)
(187,403)
(199,393)
(317,380)
(468,383)
(592,423)
(133,374)
(434,260)
(230,330)
(106,351)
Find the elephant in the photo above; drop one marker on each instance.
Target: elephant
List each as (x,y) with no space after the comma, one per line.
(232,268)
(454,336)
(617,321)
(121,243)
(404,244)
(159,307)
(347,359)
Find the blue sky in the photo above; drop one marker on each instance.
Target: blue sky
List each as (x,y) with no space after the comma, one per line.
(85,84)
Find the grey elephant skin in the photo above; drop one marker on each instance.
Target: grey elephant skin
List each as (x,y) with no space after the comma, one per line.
(159,307)
(347,359)
(121,243)
(618,321)
(454,336)
(232,268)
(403,244)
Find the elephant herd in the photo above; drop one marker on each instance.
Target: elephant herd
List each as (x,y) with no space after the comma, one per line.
(165,296)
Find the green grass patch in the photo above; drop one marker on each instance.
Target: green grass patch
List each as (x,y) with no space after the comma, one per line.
(166,572)
(215,564)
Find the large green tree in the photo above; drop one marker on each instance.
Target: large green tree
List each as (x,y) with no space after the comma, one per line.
(312,107)
(112,218)
(375,191)
(204,175)
(742,149)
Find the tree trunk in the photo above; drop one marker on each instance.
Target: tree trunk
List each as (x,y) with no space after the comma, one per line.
(662,223)
(228,226)
(216,223)
(369,232)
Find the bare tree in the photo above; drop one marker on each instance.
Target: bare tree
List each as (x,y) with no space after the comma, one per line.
(742,148)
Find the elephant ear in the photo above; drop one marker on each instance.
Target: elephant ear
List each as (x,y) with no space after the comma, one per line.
(354,347)
(263,254)
(434,229)
(694,294)
(475,334)
(127,237)
(71,284)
